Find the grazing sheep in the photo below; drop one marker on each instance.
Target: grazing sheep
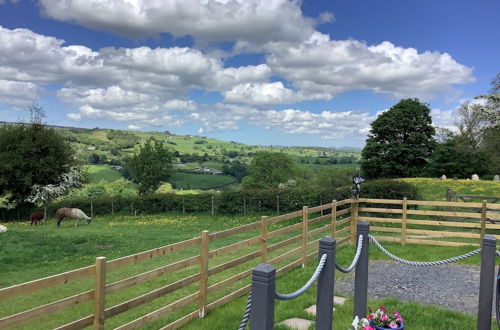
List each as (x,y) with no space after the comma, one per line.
(3,229)
(36,217)
(71,213)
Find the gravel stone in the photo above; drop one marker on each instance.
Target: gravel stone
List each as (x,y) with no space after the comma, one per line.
(450,286)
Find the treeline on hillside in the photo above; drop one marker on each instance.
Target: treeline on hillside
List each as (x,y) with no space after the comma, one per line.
(246,201)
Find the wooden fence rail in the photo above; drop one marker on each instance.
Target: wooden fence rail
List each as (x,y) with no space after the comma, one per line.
(269,240)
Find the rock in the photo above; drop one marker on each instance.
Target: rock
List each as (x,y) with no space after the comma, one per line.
(296,323)
(443,177)
(3,229)
(475,177)
(339,300)
(496,178)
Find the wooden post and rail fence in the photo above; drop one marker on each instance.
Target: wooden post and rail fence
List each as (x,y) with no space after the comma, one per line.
(288,240)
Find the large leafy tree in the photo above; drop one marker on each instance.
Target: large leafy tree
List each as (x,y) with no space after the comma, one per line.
(268,170)
(400,141)
(151,166)
(31,155)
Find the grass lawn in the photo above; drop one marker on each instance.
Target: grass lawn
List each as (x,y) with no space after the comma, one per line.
(28,253)
(199,181)
(435,189)
(102,172)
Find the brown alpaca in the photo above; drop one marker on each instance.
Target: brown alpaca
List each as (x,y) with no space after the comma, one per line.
(36,217)
(72,214)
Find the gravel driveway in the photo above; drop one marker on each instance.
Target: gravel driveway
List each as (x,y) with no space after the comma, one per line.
(449,286)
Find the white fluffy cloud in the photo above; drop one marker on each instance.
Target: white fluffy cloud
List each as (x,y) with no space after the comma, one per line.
(256,21)
(18,94)
(321,65)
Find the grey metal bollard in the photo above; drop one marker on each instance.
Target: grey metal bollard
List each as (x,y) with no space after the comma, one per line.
(361,275)
(486,282)
(263,293)
(326,280)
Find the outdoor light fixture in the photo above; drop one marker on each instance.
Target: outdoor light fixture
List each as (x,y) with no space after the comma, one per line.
(356,180)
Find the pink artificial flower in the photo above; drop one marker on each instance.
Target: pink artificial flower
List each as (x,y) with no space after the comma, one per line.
(368,328)
(398,316)
(383,318)
(393,325)
(382,308)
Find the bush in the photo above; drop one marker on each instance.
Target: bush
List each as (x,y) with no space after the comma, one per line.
(389,189)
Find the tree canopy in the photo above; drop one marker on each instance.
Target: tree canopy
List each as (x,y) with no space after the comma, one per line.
(151,166)
(269,169)
(31,154)
(400,141)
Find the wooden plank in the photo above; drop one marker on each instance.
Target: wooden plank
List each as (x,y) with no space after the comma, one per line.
(492,206)
(320,229)
(446,214)
(483,219)
(334,218)
(354,221)
(180,322)
(143,320)
(234,247)
(492,216)
(439,243)
(233,279)
(343,230)
(312,243)
(263,239)
(491,226)
(380,201)
(387,238)
(375,219)
(232,263)
(343,221)
(284,243)
(203,273)
(344,202)
(343,240)
(146,276)
(286,255)
(319,219)
(284,230)
(404,221)
(305,215)
(380,210)
(313,254)
(441,233)
(46,282)
(100,292)
(134,302)
(288,267)
(284,217)
(344,211)
(233,295)
(232,231)
(78,324)
(443,223)
(319,208)
(161,251)
(386,229)
(53,307)
(449,204)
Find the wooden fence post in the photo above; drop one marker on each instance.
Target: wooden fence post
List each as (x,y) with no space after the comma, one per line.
(212,205)
(334,217)
(483,218)
(100,292)
(403,221)
(354,220)
(91,210)
(305,216)
(183,207)
(203,274)
(263,239)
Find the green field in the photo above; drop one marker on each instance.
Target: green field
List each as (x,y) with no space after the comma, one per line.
(435,189)
(28,253)
(102,172)
(199,181)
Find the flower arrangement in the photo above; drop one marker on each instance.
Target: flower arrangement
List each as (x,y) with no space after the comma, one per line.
(379,319)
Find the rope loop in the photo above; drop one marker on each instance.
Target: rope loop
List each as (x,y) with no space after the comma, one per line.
(314,277)
(418,263)
(246,315)
(355,260)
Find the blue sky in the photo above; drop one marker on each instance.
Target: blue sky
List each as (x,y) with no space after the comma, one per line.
(255,71)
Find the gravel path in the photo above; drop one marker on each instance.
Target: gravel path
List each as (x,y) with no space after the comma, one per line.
(449,286)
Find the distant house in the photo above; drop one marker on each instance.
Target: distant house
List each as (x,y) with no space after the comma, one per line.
(90,148)
(116,167)
(208,170)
